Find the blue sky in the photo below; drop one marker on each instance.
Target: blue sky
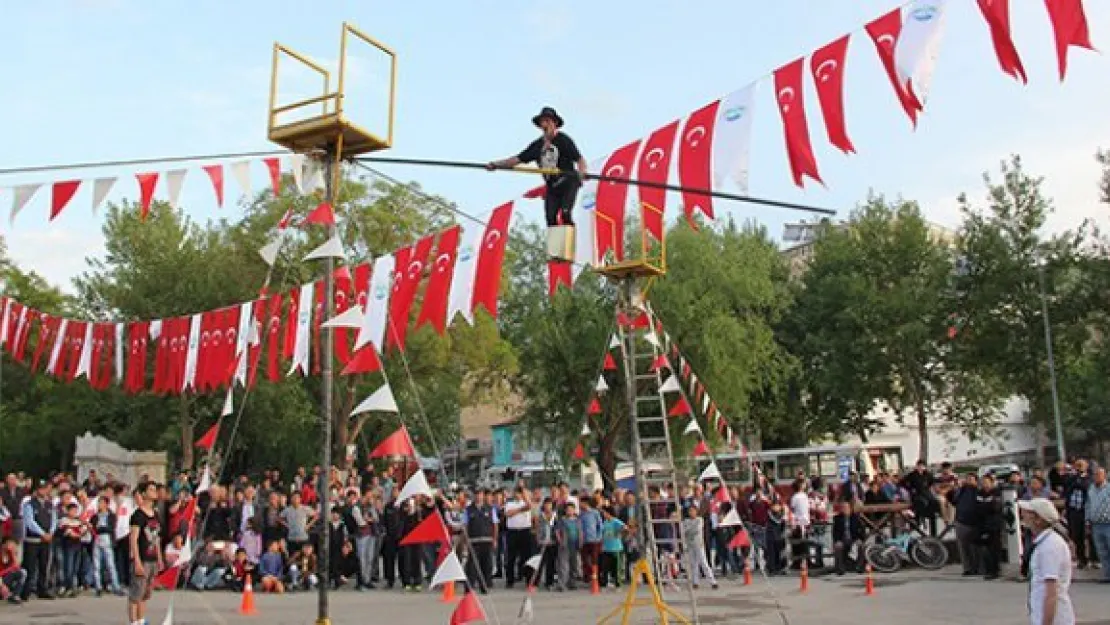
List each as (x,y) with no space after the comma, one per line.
(92,80)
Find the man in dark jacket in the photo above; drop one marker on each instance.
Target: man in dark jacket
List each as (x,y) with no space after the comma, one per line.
(965,500)
(1076,488)
(847,531)
(919,483)
(989,503)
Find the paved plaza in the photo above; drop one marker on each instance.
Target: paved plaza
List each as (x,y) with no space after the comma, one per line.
(906,597)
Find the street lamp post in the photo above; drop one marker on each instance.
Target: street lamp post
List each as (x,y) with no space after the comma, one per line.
(1060,450)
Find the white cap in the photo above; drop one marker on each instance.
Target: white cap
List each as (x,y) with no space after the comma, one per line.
(1042,508)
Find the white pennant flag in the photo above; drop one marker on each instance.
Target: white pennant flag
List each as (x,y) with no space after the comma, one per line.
(534,562)
(671,385)
(84,363)
(918,46)
(101,188)
(710,473)
(416,485)
(119,352)
(601,384)
(376,315)
(20,196)
(585,428)
(56,352)
(705,404)
(466,267)
(296,164)
(732,138)
(302,346)
(614,342)
(313,175)
(242,172)
(585,243)
(654,340)
(229,401)
(450,571)
(350,318)
(732,519)
(5,324)
(692,427)
(175,179)
(332,248)
(193,354)
(243,340)
(205,481)
(380,401)
(270,251)
(155,329)
(186,554)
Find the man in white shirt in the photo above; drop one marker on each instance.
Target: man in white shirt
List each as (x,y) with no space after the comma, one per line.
(518,520)
(1049,565)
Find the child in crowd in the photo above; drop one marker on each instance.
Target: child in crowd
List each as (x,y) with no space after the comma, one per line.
(568,533)
(302,571)
(693,534)
(611,546)
(272,568)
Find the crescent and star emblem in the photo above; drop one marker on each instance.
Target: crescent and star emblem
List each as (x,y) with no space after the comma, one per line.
(616,171)
(492,238)
(826,69)
(886,39)
(695,135)
(786,97)
(415,267)
(653,157)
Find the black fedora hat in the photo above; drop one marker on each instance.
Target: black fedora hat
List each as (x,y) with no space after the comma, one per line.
(550,113)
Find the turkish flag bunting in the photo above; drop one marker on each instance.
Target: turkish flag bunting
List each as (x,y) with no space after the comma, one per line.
(997,14)
(595,406)
(74,343)
(365,360)
(721,495)
(641,321)
(222,369)
(468,610)
(147,182)
(254,350)
(135,377)
(740,540)
(98,346)
(216,175)
(48,325)
(60,195)
(396,444)
(273,332)
(273,165)
(611,199)
(179,352)
(209,439)
(289,342)
(487,279)
(654,166)
(166,579)
(884,31)
(1069,26)
(205,348)
(344,296)
(322,215)
(660,363)
(318,296)
(790,93)
(827,66)
(610,363)
(536,193)
(701,449)
(695,169)
(434,309)
(579,452)
(558,273)
(408,270)
(23,335)
(431,530)
(680,408)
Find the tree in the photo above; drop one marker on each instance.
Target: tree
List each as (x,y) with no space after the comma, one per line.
(870,328)
(1005,251)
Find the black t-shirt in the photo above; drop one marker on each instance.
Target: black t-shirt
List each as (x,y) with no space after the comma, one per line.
(150,534)
(560,153)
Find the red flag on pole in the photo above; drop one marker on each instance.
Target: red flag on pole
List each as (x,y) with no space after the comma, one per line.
(147,182)
(205,442)
(491,257)
(61,194)
(216,175)
(694,160)
(468,610)
(997,14)
(884,32)
(595,406)
(434,309)
(407,273)
(610,201)
(789,91)
(431,530)
(827,66)
(365,360)
(1069,26)
(680,408)
(660,363)
(701,449)
(610,364)
(558,273)
(396,444)
(654,166)
(740,540)
(274,167)
(322,215)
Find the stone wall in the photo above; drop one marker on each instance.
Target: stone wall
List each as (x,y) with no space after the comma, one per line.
(97,452)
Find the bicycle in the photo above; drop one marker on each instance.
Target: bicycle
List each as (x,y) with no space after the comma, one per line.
(887,555)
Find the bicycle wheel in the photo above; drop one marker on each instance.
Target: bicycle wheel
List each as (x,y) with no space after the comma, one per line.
(929,553)
(882,558)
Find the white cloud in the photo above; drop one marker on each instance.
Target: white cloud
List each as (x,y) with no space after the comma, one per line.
(55,253)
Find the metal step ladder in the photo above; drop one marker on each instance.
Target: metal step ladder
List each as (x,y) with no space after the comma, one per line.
(653,457)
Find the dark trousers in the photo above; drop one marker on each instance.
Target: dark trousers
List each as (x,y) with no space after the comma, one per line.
(591,553)
(559,201)
(123,561)
(14,581)
(547,564)
(1077,528)
(71,560)
(479,569)
(608,569)
(843,559)
(992,552)
(389,560)
(36,561)
(411,556)
(520,549)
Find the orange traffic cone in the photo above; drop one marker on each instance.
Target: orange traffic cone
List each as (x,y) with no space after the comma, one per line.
(747,572)
(869,583)
(448,592)
(805,576)
(594,588)
(246,606)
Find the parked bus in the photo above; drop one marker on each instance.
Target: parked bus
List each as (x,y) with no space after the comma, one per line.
(782,466)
